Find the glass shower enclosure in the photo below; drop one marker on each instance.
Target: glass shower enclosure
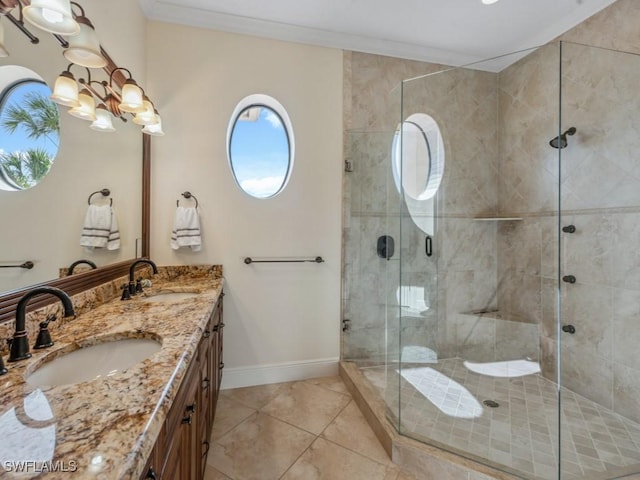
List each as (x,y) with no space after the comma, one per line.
(491,275)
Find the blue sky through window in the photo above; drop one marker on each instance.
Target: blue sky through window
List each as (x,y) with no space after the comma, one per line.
(259,151)
(18,140)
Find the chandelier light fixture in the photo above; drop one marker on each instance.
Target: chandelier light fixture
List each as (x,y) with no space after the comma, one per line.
(53,16)
(84,48)
(92,100)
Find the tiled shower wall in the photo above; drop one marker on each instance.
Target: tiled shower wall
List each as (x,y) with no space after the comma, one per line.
(372,207)
(600,194)
(465,250)
(496,129)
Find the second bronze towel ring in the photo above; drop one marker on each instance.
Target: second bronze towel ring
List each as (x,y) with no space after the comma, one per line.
(187,195)
(105,193)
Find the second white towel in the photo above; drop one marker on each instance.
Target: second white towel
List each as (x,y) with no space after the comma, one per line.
(100,228)
(186,229)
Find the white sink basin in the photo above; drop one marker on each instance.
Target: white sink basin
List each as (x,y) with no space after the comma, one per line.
(93,361)
(169,296)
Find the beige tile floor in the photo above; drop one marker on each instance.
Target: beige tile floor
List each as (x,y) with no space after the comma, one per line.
(307,430)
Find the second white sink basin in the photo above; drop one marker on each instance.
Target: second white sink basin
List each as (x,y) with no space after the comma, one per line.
(93,362)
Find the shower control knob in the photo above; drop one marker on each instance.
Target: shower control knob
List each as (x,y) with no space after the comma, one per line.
(569,229)
(569,279)
(569,329)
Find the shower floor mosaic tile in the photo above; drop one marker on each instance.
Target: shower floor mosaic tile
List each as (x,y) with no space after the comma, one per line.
(442,404)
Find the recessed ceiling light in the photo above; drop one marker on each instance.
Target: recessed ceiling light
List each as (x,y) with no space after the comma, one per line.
(489,2)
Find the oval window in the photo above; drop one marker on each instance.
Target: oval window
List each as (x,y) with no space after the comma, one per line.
(30,127)
(260,146)
(418,157)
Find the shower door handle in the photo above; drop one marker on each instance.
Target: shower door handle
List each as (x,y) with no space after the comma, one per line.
(428,245)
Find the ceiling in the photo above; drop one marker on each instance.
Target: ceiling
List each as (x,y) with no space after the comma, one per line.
(451,32)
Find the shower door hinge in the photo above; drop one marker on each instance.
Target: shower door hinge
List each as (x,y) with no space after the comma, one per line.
(346,325)
(347,166)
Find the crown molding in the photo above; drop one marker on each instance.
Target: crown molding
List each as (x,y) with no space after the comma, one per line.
(166,11)
(173,12)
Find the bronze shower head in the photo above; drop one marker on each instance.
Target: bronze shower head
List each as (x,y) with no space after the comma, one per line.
(561,140)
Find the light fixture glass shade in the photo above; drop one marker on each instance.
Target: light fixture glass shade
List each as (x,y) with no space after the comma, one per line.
(87,108)
(65,90)
(147,116)
(155,129)
(84,48)
(132,101)
(3,50)
(52,16)
(103,121)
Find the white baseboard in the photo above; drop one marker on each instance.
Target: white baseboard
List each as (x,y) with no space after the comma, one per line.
(280,372)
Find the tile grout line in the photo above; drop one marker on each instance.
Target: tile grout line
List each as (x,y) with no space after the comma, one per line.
(304,429)
(298,458)
(317,436)
(342,446)
(260,411)
(211,440)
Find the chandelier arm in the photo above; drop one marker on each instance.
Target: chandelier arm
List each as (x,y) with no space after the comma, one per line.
(74,13)
(61,40)
(20,26)
(88,86)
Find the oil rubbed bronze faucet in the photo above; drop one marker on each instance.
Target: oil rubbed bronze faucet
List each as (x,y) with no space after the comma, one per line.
(20,346)
(132,285)
(80,262)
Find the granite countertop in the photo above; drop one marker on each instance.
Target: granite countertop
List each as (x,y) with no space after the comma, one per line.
(105,428)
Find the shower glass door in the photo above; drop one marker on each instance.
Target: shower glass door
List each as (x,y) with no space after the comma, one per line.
(598,141)
(448,280)
(478,264)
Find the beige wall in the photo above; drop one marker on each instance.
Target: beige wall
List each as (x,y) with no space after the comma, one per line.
(43,224)
(280,318)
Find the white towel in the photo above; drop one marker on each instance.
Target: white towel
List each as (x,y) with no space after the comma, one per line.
(100,229)
(186,229)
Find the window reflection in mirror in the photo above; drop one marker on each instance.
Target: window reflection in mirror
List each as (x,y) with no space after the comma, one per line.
(30,132)
(260,147)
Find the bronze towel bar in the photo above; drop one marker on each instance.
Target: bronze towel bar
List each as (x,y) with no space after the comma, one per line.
(249,260)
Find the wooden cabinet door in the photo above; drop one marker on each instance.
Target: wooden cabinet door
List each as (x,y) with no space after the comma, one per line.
(204,445)
(174,461)
(190,437)
(181,450)
(217,362)
(207,380)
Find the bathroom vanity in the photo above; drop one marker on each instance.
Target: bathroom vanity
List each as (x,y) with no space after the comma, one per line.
(151,419)
(180,451)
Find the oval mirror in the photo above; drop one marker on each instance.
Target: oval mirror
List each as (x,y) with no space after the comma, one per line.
(260,146)
(30,128)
